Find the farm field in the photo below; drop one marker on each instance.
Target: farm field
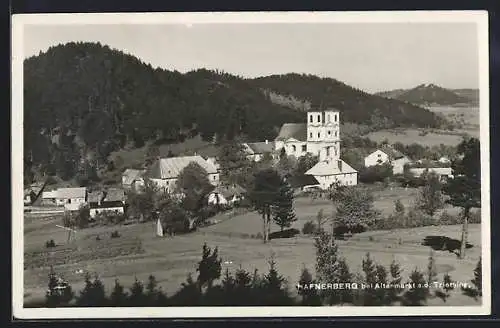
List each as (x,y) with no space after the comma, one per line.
(138,252)
(467,117)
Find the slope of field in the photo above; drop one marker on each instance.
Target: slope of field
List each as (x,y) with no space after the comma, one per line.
(138,252)
(409,136)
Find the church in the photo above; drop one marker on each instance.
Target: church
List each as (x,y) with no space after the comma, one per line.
(320,136)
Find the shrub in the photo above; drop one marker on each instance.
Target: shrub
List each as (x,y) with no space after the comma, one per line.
(309,228)
(447,219)
(115,234)
(50,243)
(475,217)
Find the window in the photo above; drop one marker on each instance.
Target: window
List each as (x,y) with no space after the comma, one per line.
(310,118)
(310,135)
(319,135)
(319,118)
(294,148)
(304,148)
(69,201)
(336,133)
(329,132)
(327,151)
(215,177)
(328,118)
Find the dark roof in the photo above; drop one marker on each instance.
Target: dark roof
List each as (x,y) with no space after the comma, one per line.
(229,190)
(95,196)
(261,147)
(391,152)
(293,130)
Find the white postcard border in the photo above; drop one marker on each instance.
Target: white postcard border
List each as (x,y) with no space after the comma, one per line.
(19,21)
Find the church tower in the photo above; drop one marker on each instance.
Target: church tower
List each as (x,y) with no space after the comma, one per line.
(323,134)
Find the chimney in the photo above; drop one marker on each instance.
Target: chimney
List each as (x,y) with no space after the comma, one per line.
(339,163)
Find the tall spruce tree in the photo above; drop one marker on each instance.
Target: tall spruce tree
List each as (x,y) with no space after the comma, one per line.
(283,211)
(464,190)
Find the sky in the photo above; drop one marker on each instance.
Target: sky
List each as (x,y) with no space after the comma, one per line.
(369,56)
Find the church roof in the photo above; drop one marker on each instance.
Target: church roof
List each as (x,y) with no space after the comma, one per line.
(293,130)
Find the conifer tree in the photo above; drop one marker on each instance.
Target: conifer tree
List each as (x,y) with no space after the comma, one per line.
(417,294)
(118,296)
(209,268)
(309,296)
(393,293)
(283,212)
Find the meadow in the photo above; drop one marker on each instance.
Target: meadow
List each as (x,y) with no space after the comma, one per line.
(465,119)
(138,252)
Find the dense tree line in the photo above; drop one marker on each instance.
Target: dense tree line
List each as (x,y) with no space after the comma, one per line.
(83,100)
(382,286)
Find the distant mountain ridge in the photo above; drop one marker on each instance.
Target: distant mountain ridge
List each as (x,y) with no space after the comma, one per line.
(431,94)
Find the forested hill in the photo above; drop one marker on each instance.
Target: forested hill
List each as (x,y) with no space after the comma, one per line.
(85,100)
(355,105)
(431,94)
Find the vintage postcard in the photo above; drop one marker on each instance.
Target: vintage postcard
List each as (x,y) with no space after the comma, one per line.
(250,164)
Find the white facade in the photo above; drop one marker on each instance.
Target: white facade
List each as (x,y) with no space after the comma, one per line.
(113,210)
(378,157)
(294,147)
(328,172)
(323,134)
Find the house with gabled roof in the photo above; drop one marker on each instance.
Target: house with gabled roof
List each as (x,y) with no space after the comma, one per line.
(256,150)
(165,171)
(388,155)
(111,200)
(132,179)
(226,195)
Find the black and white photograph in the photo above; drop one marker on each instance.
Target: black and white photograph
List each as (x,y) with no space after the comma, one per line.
(259,164)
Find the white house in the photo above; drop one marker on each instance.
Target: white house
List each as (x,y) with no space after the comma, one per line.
(256,150)
(132,179)
(226,195)
(107,201)
(71,198)
(49,197)
(165,171)
(331,171)
(387,154)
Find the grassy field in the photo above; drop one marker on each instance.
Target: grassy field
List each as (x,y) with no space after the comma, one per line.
(171,259)
(467,118)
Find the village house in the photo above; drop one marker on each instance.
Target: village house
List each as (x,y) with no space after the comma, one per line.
(387,154)
(320,136)
(49,198)
(226,195)
(132,179)
(165,171)
(107,201)
(33,192)
(71,198)
(256,150)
